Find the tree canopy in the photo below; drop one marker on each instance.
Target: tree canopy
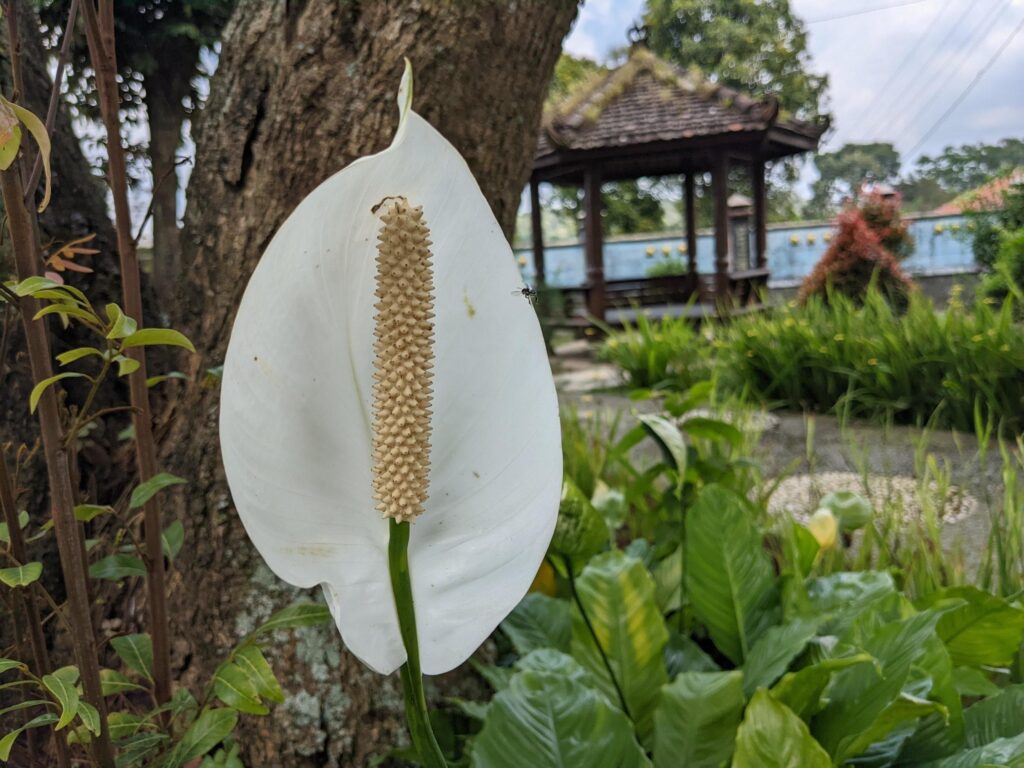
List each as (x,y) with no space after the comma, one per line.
(757,46)
(844,171)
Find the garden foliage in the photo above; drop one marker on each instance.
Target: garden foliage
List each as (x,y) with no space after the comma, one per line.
(693,630)
(864,359)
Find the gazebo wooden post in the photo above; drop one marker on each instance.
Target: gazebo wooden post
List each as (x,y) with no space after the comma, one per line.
(593,241)
(760,213)
(691,228)
(720,193)
(538,232)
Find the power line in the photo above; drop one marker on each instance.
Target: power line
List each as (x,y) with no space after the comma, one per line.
(863,11)
(891,99)
(906,59)
(970,86)
(921,102)
(911,97)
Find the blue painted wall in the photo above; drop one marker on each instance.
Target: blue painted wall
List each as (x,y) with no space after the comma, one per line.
(941,246)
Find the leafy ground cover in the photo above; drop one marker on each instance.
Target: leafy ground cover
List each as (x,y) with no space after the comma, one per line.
(921,366)
(677,622)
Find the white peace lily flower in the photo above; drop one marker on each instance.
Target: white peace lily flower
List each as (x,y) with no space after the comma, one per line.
(315,452)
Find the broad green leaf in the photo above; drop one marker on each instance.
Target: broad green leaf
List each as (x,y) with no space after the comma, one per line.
(548,660)
(66,308)
(7,742)
(668,581)
(984,631)
(234,687)
(66,694)
(682,654)
(497,677)
(12,143)
(112,682)
(715,430)
(38,389)
(126,365)
(997,717)
(41,135)
(295,616)
(86,512)
(546,720)
(89,716)
(539,621)
(152,381)
(860,695)
(617,593)
(5,534)
(974,683)
(136,651)
(124,725)
(21,575)
(252,661)
(802,690)
(996,754)
(904,709)
(30,286)
(120,324)
(671,441)
(8,664)
(851,509)
(134,750)
(161,336)
(147,490)
(209,729)
(729,580)
(172,538)
(117,567)
(580,531)
(843,596)
(612,504)
(696,720)
(772,736)
(74,355)
(941,733)
(772,654)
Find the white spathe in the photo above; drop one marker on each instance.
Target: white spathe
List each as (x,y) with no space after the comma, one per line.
(296,412)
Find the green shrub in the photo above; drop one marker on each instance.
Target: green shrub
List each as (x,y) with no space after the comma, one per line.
(871,361)
(670,266)
(662,352)
(1008,269)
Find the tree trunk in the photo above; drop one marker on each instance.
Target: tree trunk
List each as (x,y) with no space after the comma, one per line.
(165,115)
(295,98)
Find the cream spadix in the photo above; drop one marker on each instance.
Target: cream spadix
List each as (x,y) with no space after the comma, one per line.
(304,429)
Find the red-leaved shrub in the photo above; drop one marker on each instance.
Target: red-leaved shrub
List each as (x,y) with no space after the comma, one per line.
(852,261)
(882,215)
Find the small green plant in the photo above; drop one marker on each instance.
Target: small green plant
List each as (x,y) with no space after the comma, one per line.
(658,353)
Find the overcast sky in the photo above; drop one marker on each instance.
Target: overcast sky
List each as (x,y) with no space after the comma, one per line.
(893,71)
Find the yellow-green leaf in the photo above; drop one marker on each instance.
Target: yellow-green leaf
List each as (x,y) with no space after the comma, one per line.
(38,389)
(121,326)
(22,575)
(66,694)
(38,130)
(162,336)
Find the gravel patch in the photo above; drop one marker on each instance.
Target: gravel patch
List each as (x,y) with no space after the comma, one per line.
(898,495)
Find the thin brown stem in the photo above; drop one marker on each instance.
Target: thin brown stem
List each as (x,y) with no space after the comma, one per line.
(102,52)
(149,208)
(26,601)
(24,244)
(51,109)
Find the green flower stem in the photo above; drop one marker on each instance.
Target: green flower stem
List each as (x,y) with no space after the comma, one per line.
(412,678)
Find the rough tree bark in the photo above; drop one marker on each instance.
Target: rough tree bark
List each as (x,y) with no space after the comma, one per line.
(298,94)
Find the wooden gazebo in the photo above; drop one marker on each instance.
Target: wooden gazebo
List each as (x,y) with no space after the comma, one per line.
(651,118)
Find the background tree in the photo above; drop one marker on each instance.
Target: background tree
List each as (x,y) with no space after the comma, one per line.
(959,169)
(843,172)
(159,44)
(299,93)
(756,46)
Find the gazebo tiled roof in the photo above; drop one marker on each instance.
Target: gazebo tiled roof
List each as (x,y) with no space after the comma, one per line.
(648,102)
